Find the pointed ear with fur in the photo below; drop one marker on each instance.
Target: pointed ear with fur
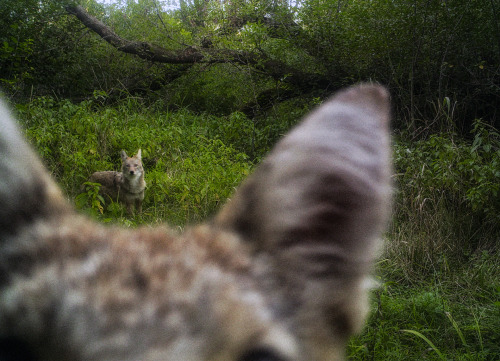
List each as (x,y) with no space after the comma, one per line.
(316,206)
(123,155)
(139,154)
(27,192)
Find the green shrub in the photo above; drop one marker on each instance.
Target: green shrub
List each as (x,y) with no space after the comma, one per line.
(447,201)
(189,174)
(468,173)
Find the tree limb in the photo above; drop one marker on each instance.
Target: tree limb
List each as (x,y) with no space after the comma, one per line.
(278,70)
(154,52)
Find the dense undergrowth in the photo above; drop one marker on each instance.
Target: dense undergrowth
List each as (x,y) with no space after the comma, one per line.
(439,274)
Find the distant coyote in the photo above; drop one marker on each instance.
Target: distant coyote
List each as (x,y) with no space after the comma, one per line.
(127,186)
(278,275)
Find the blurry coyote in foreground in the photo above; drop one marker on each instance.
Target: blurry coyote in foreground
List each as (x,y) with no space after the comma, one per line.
(127,186)
(278,275)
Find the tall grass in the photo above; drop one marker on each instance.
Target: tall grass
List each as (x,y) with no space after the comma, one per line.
(189,171)
(447,203)
(439,297)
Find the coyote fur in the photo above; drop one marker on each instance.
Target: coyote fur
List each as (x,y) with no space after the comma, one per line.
(127,186)
(280,274)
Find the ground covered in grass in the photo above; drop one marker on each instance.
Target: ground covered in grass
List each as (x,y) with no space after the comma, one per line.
(452,313)
(439,274)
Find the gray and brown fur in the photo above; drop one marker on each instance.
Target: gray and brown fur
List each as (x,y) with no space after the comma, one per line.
(126,186)
(280,274)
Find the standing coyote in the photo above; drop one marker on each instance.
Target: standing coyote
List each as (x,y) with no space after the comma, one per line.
(278,275)
(127,186)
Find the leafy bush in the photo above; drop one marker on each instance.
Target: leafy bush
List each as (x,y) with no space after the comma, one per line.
(447,203)
(217,89)
(188,173)
(466,173)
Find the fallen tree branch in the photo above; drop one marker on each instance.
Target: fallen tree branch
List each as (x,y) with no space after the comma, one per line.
(156,53)
(277,69)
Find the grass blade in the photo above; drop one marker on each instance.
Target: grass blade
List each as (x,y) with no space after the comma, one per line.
(429,342)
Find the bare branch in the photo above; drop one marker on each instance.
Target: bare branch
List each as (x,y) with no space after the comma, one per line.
(154,52)
(275,68)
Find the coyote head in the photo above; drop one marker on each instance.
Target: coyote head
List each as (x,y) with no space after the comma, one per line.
(131,166)
(278,275)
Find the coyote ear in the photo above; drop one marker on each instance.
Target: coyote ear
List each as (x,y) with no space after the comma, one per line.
(317,204)
(123,155)
(327,183)
(138,155)
(26,188)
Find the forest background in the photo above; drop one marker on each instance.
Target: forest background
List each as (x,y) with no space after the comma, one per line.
(206,87)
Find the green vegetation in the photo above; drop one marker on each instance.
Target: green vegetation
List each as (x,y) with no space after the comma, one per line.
(439,58)
(250,70)
(189,171)
(439,293)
